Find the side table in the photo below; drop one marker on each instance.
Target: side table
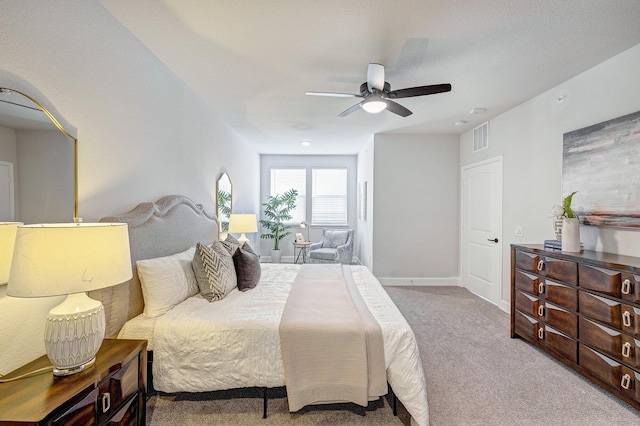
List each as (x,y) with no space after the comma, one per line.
(301,249)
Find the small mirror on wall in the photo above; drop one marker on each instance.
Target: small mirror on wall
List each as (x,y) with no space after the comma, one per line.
(224,198)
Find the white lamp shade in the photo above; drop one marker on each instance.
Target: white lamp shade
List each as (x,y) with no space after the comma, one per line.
(7,240)
(242,223)
(61,259)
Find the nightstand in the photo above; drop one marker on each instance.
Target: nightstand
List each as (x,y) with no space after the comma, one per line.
(301,248)
(112,391)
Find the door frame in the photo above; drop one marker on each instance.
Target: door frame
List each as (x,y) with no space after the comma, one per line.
(12,188)
(464,234)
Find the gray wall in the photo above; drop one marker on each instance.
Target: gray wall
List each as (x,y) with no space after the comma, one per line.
(530,136)
(416,209)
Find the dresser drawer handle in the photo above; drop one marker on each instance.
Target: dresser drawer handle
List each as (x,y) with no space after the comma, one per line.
(540,288)
(106,402)
(626,318)
(541,333)
(540,265)
(626,286)
(626,349)
(626,381)
(541,310)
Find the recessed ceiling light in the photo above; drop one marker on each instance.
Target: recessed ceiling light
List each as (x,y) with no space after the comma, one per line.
(460,123)
(305,143)
(477,111)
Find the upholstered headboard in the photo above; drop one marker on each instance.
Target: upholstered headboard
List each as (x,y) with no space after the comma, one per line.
(170,225)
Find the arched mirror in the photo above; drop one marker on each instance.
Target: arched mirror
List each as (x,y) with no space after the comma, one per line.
(224,200)
(38,163)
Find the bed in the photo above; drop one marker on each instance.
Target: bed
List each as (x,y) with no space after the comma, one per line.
(201,346)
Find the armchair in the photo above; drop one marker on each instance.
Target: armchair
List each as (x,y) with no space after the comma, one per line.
(336,246)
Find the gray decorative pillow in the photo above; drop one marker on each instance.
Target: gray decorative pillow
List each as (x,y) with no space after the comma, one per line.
(333,239)
(231,244)
(247,267)
(214,270)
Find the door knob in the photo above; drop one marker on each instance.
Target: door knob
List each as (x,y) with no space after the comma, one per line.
(495,240)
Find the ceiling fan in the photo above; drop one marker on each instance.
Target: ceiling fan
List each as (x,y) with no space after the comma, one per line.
(377,95)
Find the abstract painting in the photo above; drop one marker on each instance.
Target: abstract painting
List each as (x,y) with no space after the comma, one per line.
(602,163)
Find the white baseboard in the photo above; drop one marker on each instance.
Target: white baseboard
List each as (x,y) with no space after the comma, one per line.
(433,282)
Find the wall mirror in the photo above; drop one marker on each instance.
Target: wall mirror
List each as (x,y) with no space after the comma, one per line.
(224,200)
(38,162)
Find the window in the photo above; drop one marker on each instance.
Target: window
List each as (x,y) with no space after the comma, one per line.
(328,189)
(283,180)
(329,197)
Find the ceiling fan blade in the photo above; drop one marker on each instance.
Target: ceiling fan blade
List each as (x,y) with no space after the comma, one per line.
(396,108)
(333,94)
(375,77)
(349,110)
(419,91)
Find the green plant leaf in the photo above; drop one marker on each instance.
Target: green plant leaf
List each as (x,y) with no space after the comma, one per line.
(566,205)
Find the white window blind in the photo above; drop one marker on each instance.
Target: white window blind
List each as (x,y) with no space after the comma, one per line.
(282,180)
(329,197)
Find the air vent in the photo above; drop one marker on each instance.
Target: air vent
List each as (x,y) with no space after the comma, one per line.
(481,137)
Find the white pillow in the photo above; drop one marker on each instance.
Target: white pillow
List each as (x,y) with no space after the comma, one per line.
(166,281)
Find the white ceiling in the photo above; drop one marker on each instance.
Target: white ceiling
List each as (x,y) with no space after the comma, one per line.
(253,60)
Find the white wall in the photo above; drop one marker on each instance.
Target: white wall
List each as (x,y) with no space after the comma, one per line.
(364,229)
(416,209)
(142,133)
(530,136)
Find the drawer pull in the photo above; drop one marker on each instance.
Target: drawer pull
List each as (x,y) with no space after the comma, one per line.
(626,318)
(626,349)
(626,381)
(541,333)
(626,286)
(106,402)
(540,265)
(541,310)
(540,288)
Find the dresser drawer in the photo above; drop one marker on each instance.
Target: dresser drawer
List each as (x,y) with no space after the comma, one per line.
(561,343)
(527,282)
(529,304)
(527,261)
(119,386)
(528,327)
(602,309)
(605,339)
(602,280)
(561,270)
(561,319)
(630,319)
(81,413)
(561,295)
(608,370)
(630,287)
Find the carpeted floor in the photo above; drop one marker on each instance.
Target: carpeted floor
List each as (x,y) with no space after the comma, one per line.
(476,375)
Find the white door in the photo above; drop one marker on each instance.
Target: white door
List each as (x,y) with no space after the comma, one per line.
(6,192)
(481,237)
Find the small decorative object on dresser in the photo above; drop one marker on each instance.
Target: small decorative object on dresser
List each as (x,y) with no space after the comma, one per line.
(566,224)
(112,392)
(584,310)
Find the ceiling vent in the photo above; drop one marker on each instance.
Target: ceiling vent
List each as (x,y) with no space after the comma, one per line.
(481,137)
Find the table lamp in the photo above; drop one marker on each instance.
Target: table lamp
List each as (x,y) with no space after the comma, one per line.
(305,225)
(241,224)
(7,239)
(70,259)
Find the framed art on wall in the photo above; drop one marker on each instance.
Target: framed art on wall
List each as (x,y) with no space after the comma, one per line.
(602,163)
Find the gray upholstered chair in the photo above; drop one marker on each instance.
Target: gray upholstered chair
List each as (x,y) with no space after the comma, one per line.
(336,246)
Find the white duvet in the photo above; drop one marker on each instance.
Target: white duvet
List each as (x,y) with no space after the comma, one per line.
(234,343)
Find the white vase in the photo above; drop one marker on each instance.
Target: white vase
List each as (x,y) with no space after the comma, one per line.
(571,234)
(276,255)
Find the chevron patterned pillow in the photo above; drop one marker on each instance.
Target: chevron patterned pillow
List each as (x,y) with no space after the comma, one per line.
(214,270)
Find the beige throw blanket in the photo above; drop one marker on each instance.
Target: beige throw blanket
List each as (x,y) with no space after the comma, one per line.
(332,347)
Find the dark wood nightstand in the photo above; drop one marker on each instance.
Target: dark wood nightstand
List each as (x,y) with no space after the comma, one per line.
(113,391)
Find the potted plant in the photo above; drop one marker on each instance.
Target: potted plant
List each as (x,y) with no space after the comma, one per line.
(567,224)
(277,212)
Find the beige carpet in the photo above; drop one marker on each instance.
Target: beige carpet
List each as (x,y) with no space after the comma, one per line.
(476,375)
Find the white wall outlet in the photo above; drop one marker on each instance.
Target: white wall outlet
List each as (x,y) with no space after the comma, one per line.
(518,231)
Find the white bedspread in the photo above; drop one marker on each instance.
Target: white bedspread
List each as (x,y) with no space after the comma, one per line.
(233,343)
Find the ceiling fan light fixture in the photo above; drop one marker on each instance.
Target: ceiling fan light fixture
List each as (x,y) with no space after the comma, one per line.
(375,105)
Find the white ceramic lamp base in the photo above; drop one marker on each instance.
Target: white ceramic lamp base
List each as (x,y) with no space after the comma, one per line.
(74,331)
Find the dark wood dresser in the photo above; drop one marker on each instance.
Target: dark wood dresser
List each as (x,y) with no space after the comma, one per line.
(111,392)
(583,309)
